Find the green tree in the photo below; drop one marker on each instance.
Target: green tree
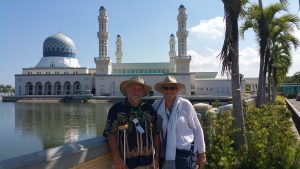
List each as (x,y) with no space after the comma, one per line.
(296,77)
(270,31)
(6,89)
(230,65)
(263,33)
(280,43)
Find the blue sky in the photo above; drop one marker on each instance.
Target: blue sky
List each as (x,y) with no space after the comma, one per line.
(145,28)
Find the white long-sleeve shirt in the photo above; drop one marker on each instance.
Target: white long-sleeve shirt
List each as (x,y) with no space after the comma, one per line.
(188,127)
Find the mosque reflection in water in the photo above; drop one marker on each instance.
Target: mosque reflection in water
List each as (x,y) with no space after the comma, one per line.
(56,124)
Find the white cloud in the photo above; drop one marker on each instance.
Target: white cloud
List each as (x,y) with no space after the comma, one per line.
(210,49)
(205,60)
(295,64)
(212,28)
(200,63)
(295,56)
(249,62)
(296,33)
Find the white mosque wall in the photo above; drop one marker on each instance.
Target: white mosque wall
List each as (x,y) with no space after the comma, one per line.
(51,70)
(141,68)
(59,84)
(109,85)
(214,87)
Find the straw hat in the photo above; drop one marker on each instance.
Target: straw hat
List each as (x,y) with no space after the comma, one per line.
(169,81)
(134,80)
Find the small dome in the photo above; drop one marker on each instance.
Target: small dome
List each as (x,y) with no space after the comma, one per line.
(102,8)
(59,45)
(181,6)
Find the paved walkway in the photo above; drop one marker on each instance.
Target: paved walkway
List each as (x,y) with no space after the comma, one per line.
(295,103)
(296,127)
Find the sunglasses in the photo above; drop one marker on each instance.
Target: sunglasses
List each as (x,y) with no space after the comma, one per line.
(169,88)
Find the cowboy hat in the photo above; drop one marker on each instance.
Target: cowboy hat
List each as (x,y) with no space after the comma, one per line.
(134,80)
(169,81)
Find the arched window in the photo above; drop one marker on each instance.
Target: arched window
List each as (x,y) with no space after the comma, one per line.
(76,88)
(67,88)
(28,88)
(48,90)
(38,88)
(57,88)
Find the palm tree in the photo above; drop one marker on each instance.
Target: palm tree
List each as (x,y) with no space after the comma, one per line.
(255,19)
(263,36)
(230,65)
(278,31)
(263,43)
(282,60)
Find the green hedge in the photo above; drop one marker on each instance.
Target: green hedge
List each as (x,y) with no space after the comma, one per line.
(271,142)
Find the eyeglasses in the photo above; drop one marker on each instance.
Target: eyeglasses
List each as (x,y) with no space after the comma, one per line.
(169,88)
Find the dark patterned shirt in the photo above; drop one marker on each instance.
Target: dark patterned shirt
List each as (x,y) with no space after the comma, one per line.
(138,144)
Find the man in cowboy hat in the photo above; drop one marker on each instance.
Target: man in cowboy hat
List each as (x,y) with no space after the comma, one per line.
(131,128)
(181,131)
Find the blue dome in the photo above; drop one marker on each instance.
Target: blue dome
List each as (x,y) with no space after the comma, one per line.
(59,45)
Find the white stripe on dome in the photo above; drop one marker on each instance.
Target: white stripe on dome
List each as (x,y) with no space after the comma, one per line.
(58,62)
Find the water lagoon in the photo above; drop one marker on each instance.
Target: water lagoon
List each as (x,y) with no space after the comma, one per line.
(31,127)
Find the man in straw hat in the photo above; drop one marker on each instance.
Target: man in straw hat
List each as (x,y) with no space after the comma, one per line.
(131,128)
(182,139)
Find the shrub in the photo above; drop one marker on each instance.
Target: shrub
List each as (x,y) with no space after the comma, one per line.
(219,140)
(279,100)
(216,103)
(271,142)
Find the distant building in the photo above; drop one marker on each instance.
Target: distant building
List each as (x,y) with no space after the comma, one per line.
(59,71)
(290,88)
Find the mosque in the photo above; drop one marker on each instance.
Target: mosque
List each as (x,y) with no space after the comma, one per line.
(59,72)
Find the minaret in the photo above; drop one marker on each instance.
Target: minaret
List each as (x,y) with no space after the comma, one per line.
(182,60)
(102,34)
(172,52)
(103,62)
(119,52)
